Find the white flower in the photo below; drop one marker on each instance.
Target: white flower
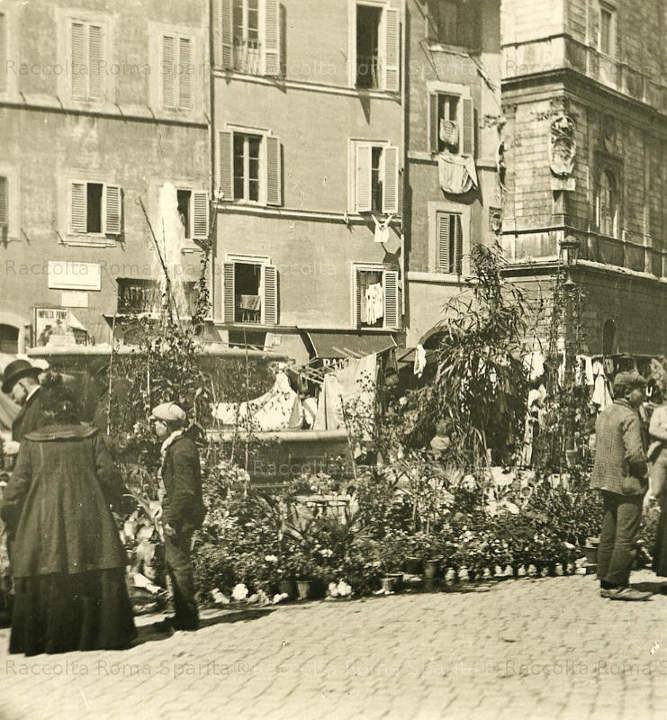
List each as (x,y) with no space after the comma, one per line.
(271,559)
(343,589)
(326,553)
(279,597)
(333,590)
(240,592)
(219,598)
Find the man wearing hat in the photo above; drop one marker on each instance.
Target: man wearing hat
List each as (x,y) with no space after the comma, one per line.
(20,382)
(620,473)
(182,510)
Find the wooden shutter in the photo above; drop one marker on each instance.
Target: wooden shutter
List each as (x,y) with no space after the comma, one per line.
(468,145)
(228,293)
(79,61)
(226,156)
(391,183)
(392,313)
(442,240)
(434,123)
(112,210)
(392,50)
(96,58)
(273,172)
(356,279)
(78,207)
(227,7)
(4,202)
(168,74)
(185,73)
(458,246)
(3,52)
(200,221)
(271,39)
(362,176)
(269,295)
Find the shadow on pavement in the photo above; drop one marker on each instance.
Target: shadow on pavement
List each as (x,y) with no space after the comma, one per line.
(147,633)
(658,588)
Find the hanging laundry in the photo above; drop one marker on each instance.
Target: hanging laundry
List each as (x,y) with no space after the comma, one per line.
(382,229)
(420,360)
(374,303)
(601,395)
(457,173)
(449,132)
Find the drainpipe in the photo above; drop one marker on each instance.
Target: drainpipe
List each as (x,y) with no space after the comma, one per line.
(404,63)
(211,145)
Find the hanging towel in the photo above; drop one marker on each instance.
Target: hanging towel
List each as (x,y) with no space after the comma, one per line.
(382,229)
(374,303)
(449,132)
(457,173)
(420,360)
(601,395)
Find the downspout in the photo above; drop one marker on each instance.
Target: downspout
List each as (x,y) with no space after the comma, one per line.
(404,51)
(211,145)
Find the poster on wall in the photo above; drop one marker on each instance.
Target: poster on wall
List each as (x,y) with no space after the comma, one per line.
(57,327)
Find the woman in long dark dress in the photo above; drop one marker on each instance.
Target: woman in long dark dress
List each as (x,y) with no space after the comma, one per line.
(67,559)
(658,455)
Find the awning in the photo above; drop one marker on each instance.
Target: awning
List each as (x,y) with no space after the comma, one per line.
(346,345)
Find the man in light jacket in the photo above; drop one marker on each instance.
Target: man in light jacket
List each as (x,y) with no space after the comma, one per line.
(620,473)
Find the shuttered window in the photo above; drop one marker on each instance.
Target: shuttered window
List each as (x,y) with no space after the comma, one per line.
(251,36)
(377,48)
(392,45)
(250,168)
(449,243)
(4,209)
(87,54)
(95,208)
(451,124)
(374,178)
(376,298)
(177,72)
(250,293)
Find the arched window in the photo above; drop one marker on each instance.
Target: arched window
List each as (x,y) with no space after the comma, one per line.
(607,204)
(608,337)
(9,339)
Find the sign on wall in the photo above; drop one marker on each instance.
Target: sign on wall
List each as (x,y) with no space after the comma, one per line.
(66,275)
(56,326)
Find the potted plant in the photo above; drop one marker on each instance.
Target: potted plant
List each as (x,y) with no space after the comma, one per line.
(392,553)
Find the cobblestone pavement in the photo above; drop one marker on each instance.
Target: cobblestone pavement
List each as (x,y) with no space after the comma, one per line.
(547,648)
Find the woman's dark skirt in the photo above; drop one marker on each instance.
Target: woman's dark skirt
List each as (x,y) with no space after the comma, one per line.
(60,613)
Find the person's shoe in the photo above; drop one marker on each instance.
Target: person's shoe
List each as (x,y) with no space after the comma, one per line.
(165,626)
(604,592)
(628,593)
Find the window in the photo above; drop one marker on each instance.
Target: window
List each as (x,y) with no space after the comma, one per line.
(250,167)
(177,72)
(376,297)
(607,204)
(250,292)
(95,208)
(4,209)
(451,123)
(602,27)
(454,22)
(9,339)
(374,178)
(251,36)
(193,211)
(449,243)
(376,48)
(87,53)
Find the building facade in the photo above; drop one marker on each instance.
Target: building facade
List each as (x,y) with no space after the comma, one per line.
(307,130)
(585,149)
(452,136)
(101,105)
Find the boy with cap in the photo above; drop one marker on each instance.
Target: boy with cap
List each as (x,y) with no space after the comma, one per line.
(182,510)
(620,473)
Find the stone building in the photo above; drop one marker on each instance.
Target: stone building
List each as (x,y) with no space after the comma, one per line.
(101,104)
(307,127)
(585,150)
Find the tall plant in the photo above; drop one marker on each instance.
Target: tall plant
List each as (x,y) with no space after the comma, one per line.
(480,383)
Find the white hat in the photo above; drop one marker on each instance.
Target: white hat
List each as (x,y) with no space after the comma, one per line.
(169,412)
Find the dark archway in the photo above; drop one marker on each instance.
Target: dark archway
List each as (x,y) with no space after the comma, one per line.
(9,339)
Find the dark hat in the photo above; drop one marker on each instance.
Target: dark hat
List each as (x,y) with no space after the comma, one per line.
(626,381)
(15,371)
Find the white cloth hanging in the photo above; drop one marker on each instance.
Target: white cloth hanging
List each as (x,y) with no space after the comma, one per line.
(382,229)
(601,395)
(420,360)
(374,303)
(457,173)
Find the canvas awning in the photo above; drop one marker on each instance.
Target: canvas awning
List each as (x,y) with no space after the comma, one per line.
(346,345)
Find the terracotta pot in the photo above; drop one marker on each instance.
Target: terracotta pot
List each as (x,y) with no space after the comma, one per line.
(288,587)
(432,568)
(303,589)
(591,552)
(414,566)
(392,582)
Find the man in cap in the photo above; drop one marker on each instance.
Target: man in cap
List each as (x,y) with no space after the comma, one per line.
(182,510)
(20,382)
(620,473)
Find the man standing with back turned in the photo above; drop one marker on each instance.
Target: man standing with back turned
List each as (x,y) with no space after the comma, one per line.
(620,473)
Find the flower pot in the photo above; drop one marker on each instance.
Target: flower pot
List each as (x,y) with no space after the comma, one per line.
(288,587)
(432,568)
(414,566)
(303,589)
(392,582)
(591,553)
(431,585)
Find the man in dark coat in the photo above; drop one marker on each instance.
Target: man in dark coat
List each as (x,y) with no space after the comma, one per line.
(182,511)
(20,382)
(620,473)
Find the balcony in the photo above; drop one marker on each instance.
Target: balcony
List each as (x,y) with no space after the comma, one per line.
(247,56)
(136,297)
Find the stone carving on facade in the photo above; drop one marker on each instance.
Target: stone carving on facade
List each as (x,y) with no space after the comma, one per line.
(562,146)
